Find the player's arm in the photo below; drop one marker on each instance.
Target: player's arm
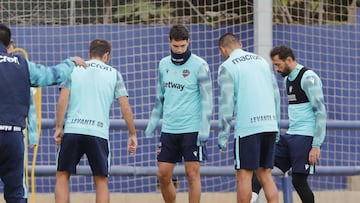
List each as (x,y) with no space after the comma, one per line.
(122,97)
(127,114)
(32,122)
(129,120)
(277,100)
(226,106)
(41,75)
(205,86)
(157,112)
(312,86)
(60,114)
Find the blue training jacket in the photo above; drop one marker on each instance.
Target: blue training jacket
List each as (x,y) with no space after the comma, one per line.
(17,75)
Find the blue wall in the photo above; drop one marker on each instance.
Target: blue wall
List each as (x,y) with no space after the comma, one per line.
(333,57)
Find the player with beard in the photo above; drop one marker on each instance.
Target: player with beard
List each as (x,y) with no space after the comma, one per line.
(299,148)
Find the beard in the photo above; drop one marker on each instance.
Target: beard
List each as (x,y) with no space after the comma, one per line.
(285,72)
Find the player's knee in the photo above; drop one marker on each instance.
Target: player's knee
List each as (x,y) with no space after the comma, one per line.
(263,176)
(163,177)
(192,176)
(299,180)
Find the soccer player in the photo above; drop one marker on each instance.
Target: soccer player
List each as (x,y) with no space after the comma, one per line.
(86,97)
(299,148)
(17,75)
(248,90)
(184,101)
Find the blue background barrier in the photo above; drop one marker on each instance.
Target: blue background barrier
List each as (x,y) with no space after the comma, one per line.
(341,88)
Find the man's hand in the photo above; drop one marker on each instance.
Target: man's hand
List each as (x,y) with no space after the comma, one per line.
(222,141)
(79,61)
(222,147)
(59,132)
(132,144)
(314,155)
(202,140)
(277,138)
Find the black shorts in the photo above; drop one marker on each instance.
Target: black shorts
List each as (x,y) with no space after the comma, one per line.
(292,151)
(74,146)
(175,147)
(254,151)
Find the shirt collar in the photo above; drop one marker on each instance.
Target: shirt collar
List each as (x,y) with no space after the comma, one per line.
(295,72)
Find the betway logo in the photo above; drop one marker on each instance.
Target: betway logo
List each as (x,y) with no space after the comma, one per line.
(174,85)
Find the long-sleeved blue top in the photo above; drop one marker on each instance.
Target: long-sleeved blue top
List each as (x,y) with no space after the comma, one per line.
(308,119)
(184,98)
(248,91)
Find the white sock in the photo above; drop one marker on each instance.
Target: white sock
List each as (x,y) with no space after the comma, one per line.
(254,197)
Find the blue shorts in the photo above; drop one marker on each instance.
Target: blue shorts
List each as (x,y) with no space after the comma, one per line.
(292,151)
(254,151)
(12,166)
(74,146)
(173,147)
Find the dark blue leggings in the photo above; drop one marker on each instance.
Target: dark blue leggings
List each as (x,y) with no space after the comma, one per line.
(299,181)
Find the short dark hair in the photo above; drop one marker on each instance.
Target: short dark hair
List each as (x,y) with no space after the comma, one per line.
(99,47)
(228,39)
(5,35)
(178,32)
(283,52)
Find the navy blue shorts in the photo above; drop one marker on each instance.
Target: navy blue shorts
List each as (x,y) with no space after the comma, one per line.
(254,151)
(175,147)
(12,166)
(74,146)
(292,151)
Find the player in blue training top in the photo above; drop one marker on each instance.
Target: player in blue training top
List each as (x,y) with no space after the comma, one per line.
(299,148)
(249,92)
(184,102)
(17,75)
(86,98)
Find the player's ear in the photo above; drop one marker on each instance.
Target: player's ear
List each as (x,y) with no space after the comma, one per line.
(221,49)
(240,44)
(288,60)
(223,52)
(104,57)
(107,57)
